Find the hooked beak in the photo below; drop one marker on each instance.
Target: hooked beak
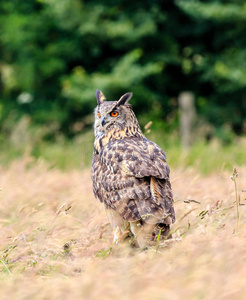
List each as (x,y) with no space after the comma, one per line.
(103,122)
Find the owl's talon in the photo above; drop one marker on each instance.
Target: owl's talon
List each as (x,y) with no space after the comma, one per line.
(117,235)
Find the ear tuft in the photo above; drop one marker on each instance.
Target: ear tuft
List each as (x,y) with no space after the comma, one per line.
(100,97)
(124,99)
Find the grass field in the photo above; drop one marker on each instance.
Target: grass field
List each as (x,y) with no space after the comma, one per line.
(55,239)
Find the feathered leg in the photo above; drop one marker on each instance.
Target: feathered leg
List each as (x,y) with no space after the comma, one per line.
(139,233)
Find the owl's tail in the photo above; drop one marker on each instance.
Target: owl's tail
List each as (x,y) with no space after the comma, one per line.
(145,234)
(161,230)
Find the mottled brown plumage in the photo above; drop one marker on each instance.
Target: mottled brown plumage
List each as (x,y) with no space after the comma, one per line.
(130,174)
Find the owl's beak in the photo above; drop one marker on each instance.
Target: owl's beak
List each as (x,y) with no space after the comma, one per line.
(103,122)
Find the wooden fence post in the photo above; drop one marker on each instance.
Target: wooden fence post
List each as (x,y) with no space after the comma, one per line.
(187,117)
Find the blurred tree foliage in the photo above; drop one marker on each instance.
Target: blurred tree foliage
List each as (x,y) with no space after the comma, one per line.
(54,54)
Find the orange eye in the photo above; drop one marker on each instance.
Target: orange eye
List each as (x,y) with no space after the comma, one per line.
(114,113)
(99,115)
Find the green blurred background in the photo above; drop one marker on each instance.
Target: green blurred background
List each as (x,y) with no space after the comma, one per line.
(55,54)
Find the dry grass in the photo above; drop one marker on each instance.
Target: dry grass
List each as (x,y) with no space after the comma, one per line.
(52,230)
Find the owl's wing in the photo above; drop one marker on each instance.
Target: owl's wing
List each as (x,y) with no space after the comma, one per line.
(142,159)
(136,157)
(97,168)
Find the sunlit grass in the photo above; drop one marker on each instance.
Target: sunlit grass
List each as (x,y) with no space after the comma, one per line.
(55,235)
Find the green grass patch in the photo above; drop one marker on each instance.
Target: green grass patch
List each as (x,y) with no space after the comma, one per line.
(77,153)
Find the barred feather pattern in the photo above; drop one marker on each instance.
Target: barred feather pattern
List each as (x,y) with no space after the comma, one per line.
(130,174)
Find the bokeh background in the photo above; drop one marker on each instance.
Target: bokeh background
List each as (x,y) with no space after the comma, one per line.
(55,54)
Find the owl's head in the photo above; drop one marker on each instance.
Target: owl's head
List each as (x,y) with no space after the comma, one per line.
(112,114)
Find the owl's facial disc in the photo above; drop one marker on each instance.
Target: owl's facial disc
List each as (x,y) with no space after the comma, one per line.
(109,117)
(110,114)
(105,117)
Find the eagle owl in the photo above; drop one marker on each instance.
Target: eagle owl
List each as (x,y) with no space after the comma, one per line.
(130,174)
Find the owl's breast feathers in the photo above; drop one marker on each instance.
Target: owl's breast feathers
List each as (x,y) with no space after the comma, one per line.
(131,175)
